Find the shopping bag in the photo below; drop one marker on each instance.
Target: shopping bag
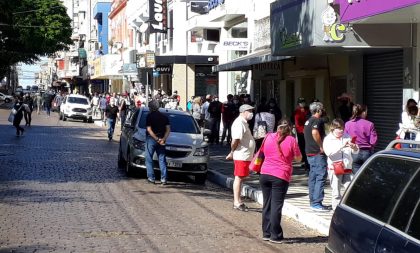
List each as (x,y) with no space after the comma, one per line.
(11,117)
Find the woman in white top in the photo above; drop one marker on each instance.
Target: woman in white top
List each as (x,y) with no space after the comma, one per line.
(408,129)
(264,124)
(339,147)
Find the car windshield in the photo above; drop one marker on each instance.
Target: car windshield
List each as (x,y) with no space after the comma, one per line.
(76,100)
(179,123)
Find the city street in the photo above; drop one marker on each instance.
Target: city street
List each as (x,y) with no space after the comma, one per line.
(61,191)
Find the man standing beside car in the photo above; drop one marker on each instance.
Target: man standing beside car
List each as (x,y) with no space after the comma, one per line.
(111,112)
(158,129)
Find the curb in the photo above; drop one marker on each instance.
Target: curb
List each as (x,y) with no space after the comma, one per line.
(308,219)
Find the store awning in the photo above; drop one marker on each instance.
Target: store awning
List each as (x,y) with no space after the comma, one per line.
(246,62)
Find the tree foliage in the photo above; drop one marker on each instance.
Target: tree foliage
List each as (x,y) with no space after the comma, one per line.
(30,29)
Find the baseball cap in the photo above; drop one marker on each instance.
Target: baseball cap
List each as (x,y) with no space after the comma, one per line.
(245,107)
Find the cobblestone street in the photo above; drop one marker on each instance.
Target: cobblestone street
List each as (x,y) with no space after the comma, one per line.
(61,191)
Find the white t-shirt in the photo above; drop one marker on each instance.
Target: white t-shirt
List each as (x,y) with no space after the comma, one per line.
(240,130)
(95,100)
(205,110)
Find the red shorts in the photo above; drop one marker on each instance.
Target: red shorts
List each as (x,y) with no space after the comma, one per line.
(241,168)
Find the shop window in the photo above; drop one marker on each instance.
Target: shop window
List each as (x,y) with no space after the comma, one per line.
(212,35)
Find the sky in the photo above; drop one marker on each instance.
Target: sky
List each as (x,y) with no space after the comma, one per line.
(27,73)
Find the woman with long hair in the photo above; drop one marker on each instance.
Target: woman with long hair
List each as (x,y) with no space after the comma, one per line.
(196,111)
(363,133)
(280,149)
(338,147)
(408,129)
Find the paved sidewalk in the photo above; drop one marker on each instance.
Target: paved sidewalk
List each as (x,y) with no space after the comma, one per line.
(296,204)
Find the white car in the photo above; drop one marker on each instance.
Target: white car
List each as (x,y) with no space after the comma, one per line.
(5,98)
(76,107)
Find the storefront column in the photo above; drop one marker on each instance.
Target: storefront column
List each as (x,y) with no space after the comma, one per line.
(320,88)
(298,88)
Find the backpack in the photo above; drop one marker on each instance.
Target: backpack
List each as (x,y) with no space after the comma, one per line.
(261,129)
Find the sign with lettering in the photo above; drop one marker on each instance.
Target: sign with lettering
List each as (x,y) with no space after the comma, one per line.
(163,69)
(158,18)
(234,44)
(214,3)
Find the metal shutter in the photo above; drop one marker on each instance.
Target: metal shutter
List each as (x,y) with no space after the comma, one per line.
(383,84)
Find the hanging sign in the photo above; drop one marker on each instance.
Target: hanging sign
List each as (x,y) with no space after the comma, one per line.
(158,19)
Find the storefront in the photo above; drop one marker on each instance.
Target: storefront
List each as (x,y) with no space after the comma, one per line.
(333,57)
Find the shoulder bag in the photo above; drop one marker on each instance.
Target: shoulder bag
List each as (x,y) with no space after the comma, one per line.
(261,128)
(340,168)
(258,159)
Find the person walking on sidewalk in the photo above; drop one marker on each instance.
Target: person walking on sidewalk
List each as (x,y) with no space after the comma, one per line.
(19,107)
(314,133)
(280,149)
(95,104)
(338,147)
(102,106)
(111,112)
(29,106)
(242,150)
(158,129)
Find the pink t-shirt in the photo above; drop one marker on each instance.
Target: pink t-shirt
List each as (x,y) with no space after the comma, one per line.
(276,164)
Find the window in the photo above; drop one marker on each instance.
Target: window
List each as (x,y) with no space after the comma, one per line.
(379,186)
(212,35)
(75,100)
(414,229)
(407,205)
(179,123)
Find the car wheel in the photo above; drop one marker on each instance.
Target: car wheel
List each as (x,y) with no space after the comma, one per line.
(7,100)
(84,120)
(128,167)
(90,120)
(200,179)
(121,161)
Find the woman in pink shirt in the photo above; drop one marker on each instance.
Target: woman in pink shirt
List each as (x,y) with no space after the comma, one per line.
(280,149)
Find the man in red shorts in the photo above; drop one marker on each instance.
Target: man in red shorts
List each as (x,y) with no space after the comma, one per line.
(242,150)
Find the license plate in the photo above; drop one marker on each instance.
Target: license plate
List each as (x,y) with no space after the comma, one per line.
(174,164)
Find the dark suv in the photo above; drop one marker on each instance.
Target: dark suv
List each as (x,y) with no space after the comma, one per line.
(380,211)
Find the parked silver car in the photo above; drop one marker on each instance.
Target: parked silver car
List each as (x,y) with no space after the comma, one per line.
(187,151)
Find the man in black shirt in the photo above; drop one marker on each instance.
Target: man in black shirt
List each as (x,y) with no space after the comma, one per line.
(158,129)
(215,111)
(314,133)
(111,113)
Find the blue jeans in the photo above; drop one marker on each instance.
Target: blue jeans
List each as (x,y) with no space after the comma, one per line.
(360,158)
(151,147)
(317,177)
(410,137)
(111,127)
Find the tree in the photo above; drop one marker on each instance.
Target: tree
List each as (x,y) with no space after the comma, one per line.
(30,29)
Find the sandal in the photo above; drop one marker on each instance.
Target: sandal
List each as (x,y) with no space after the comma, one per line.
(241,207)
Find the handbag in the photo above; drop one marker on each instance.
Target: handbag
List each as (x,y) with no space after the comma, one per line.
(340,168)
(261,128)
(14,111)
(258,159)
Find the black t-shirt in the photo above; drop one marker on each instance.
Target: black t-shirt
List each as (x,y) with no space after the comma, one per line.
(311,147)
(215,109)
(158,122)
(111,112)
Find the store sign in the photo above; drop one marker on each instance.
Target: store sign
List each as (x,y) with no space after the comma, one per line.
(214,3)
(290,40)
(333,30)
(129,68)
(163,69)
(199,7)
(234,44)
(146,60)
(158,18)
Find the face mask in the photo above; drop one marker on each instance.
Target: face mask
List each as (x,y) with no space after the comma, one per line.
(249,116)
(235,101)
(272,104)
(338,133)
(246,99)
(216,99)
